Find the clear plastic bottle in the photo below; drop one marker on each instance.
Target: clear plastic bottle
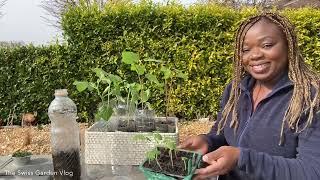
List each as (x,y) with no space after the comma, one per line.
(145,120)
(122,172)
(65,140)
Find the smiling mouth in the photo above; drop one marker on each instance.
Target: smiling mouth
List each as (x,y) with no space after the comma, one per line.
(260,68)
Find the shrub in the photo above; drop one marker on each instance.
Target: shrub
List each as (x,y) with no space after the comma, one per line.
(197,40)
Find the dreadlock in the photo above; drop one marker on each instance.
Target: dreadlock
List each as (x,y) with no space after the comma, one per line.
(299,73)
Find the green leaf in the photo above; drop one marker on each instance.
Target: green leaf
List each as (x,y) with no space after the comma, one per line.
(92,86)
(130,57)
(152,154)
(182,75)
(104,79)
(135,98)
(157,136)
(145,95)
(81,85)
(170,143)
(166,72)
(104,112)
(140,69)
(137,87)
(133,67)
(114,78)
(116,91)
(152,78)
(99,72)
(148,105)
(160,86)
(121,99)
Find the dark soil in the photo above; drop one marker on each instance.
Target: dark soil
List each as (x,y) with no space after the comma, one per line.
(179,168)
(133,126)
(146,125)
(66,165)
(125,127)
(165,126)
(161,127)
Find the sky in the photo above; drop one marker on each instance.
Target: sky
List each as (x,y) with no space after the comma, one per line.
(23,21)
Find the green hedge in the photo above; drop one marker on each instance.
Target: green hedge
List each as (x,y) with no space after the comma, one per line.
(197,39)
(29,76)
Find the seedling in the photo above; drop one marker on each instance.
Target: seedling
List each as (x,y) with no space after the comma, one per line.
(169,74)
(21,154)
(185,160)
(166,142)
(107,86)
(153,155)
(137,66)
(171,145)
(181,166)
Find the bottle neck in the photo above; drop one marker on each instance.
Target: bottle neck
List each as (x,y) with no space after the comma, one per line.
(61,92)
(59,96)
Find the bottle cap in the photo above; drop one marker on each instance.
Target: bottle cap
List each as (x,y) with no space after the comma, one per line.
(61,92)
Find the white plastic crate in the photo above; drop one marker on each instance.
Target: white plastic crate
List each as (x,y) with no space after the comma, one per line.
(119,148)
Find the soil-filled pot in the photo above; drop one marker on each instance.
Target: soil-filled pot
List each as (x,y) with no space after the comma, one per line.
(21,158)
(126,125)
(123,117)
(162,126)
(145,120)
(179,164)
(21,161)
(165,126)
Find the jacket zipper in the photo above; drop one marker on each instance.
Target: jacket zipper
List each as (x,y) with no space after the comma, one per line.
(247,122)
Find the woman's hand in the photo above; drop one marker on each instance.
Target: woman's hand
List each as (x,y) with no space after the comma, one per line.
(220,161)
(195,143)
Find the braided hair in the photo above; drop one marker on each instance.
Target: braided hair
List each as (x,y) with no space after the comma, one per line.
(299,73)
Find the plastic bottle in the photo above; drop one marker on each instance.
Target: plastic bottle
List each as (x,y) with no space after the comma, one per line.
(122,172)
(65,140)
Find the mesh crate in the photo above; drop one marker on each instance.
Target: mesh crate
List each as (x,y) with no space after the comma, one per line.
(119,148)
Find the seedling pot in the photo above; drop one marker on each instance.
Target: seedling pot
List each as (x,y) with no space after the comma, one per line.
(183,165)
(21,161)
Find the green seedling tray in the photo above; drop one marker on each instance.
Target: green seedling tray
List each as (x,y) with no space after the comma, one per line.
(151,175)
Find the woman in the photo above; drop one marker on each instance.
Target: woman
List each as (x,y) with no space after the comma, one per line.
(269,124)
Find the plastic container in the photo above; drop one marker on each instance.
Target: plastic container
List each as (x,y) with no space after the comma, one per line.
(21,161)
(119,148)
(122,172)
(124,117)
(194,164)
(145,120)
(65,139)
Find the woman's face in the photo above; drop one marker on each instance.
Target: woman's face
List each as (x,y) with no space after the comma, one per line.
(265,52)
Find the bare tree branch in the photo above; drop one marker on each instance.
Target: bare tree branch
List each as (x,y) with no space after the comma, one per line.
(2,3)
(11,44)
(239,3)
(55,8)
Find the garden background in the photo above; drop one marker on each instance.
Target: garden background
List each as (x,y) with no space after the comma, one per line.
(197,39)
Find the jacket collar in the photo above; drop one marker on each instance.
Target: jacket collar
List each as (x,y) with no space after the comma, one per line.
(248,82)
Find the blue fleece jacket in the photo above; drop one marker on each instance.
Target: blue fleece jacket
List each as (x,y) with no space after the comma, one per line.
(258,135)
